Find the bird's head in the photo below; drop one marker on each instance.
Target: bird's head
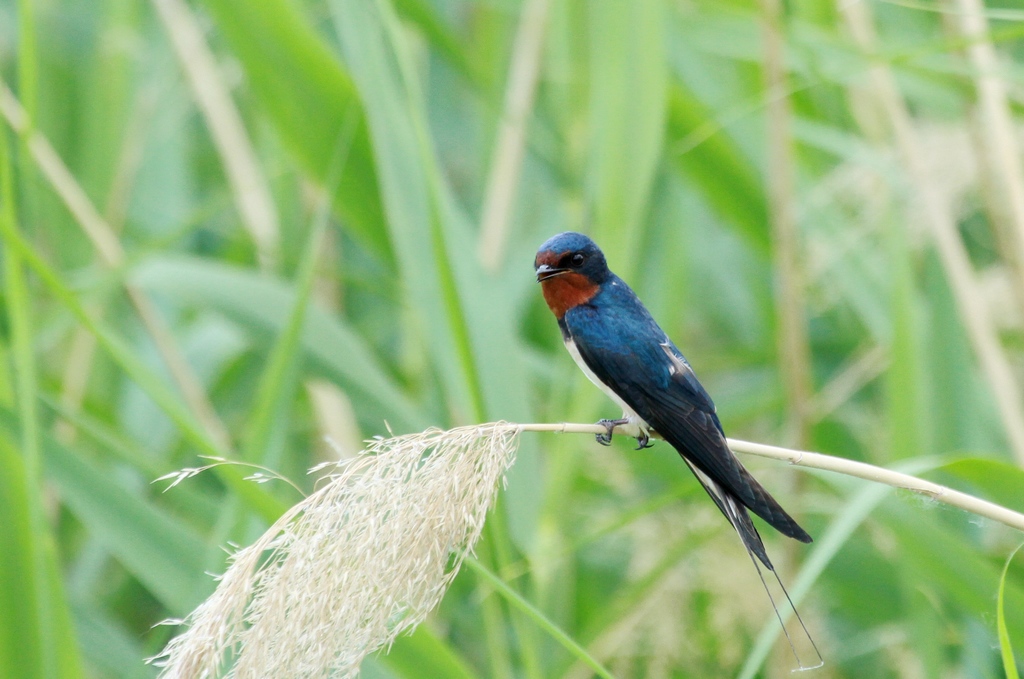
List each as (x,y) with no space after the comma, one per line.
(570,268)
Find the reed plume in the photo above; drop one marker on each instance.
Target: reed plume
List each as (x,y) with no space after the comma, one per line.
(345,571)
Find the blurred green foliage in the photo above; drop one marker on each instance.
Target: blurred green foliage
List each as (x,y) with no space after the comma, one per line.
(374,127)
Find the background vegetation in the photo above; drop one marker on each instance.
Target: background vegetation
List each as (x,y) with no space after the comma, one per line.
(232,228)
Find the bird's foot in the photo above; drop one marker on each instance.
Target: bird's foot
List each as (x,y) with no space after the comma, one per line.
(643,441)
(605,439)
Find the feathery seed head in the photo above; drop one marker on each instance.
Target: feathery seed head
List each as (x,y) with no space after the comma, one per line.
(359,561)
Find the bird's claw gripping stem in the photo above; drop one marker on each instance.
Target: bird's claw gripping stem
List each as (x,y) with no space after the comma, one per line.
(605,439)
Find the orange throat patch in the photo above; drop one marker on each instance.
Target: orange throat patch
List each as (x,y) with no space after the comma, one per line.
(567,291)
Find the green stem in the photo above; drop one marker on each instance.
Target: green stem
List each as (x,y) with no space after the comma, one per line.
(517,601)
(498,653)
(24,470)
(1005,647)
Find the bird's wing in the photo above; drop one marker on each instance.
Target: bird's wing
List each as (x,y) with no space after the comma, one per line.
(655,380)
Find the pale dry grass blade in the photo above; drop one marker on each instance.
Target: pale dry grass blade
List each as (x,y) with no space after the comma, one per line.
(63,182)
(335,419)
(355,564)
(1000,147)
(499,199)
(241,165)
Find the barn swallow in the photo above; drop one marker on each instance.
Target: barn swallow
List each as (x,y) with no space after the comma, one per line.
(621,349)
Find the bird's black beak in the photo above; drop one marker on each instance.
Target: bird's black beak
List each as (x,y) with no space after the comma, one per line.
(545,272)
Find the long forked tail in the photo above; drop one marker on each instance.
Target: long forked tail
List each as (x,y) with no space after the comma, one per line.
(737,515)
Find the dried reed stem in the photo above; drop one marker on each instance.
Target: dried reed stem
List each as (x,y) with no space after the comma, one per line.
(861,470)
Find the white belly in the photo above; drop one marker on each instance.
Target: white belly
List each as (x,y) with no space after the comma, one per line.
(636,422)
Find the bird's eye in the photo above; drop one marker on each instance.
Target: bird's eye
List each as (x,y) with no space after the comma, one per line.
(577,259)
